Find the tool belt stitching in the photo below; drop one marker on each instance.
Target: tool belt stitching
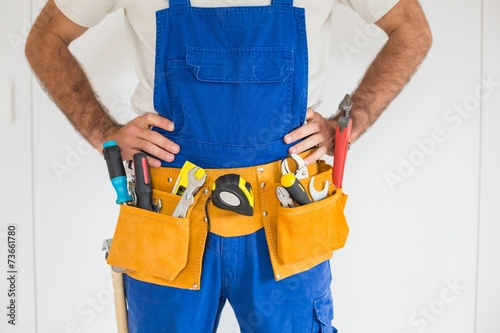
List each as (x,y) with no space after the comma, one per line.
(167,199)
(272,246)
(293,213)
(149,217)
(200,254)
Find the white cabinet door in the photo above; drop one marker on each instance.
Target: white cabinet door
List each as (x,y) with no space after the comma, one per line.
(17,295)
(75,206)
(488,289)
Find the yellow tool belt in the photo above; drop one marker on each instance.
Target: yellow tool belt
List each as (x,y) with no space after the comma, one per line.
(166,250)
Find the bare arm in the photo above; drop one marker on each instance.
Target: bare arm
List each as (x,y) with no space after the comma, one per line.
(65,81)
(408,44)
(409,41)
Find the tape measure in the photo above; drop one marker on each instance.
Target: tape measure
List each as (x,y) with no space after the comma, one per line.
(232,192)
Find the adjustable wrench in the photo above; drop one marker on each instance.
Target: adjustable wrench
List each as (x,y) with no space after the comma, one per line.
(187,198)
(318,195)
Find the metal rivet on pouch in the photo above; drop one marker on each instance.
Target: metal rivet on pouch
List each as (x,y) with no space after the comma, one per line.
(264,213)
(261,170)
(205,191)
(195,286)
(278,276)
(169,179)
(205,219)
(262,184)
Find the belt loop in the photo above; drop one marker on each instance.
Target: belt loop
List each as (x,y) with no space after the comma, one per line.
(282,2)
(176,3)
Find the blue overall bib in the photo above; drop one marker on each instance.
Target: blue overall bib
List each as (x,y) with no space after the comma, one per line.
(234,82)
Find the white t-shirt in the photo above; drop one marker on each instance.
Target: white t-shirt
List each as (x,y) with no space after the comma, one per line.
(141,27)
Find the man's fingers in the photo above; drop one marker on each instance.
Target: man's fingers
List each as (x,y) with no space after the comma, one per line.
(310,132)
(150,137)
(315,155)
(157,145)
(305,130)
(297,134)
(153,119)
(153,162)
(317,132)
(137,136)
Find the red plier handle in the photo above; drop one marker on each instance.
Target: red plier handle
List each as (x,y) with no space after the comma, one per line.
(342,139)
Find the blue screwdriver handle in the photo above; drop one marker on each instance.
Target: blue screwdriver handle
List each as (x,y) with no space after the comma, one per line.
(116,171)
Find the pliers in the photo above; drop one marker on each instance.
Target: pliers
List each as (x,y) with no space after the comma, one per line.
(284,197)
(301,171)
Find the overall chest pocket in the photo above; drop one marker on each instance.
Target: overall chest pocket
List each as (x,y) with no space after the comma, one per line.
(237,96)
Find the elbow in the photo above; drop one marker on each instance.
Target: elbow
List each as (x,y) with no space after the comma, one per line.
(31,48)
(40,48)
(426,38)
(419,37)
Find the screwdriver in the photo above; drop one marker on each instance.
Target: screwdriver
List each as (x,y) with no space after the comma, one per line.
(295,189)
(116,171)
(143,189)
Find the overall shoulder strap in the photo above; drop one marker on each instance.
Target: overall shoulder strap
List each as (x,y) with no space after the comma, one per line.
(282,2)
(173,3)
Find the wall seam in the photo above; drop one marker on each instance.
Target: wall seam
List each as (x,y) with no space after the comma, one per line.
(478,248)
(33,206)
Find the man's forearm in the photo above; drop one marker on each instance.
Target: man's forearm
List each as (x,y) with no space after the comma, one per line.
(65,81)
(390,71)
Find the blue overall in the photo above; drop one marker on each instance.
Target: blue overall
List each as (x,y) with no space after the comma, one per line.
(236,269)
(234,81)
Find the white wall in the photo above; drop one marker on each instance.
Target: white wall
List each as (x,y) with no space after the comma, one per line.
(422,255)
(16,191)
(414,180)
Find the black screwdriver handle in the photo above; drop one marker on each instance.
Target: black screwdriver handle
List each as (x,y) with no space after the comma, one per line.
(111,152)
(143,188)
(113,158)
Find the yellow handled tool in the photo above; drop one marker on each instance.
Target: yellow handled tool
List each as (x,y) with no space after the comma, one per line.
(295,189)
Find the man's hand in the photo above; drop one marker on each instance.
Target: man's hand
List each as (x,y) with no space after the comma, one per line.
(318,132)
(47,50)
(409,41)
(137,136)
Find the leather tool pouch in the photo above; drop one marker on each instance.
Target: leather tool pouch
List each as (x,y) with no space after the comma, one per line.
(300,238)
(160,248)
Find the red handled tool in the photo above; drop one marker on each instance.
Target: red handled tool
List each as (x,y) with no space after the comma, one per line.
(342,138)
(143,189)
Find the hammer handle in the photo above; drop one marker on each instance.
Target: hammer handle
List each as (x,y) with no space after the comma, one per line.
(120,304)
